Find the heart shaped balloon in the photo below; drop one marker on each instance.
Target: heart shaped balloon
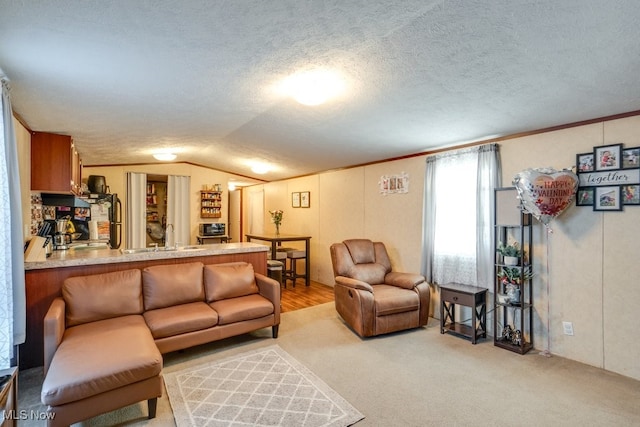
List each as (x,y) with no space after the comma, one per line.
(545,192)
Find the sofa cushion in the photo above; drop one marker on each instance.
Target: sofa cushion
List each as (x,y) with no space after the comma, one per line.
(229,280)
(169,285)
(392,300)
(102,296)
(96,357)
(238,309)
(180,319)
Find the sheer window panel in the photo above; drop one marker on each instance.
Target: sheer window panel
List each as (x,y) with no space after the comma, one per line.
(457,214)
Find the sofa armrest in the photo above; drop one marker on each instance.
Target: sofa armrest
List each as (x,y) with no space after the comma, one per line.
(54,326)
(354,283)
(404,280)
(270,289)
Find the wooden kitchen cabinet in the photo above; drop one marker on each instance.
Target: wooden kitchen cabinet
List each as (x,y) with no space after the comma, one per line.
(56,166)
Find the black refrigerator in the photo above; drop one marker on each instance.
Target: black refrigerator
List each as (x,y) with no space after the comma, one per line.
(103,210)
(106,209)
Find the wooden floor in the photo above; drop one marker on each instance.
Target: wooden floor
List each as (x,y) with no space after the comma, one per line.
(304,296)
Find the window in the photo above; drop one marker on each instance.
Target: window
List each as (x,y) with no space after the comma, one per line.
(458,211)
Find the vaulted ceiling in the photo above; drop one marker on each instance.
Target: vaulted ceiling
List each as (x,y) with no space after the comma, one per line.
(201,78)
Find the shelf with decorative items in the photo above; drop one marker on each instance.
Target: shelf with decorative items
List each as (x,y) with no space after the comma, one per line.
(211,202)
(513,292)
(152,203)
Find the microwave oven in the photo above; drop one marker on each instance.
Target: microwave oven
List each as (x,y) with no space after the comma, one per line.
(213,229)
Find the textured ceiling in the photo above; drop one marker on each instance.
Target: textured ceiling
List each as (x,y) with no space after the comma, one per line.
(126,78)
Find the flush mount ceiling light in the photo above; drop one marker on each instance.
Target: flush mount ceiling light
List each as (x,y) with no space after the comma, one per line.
(260,168)
(165,157)
(313,87)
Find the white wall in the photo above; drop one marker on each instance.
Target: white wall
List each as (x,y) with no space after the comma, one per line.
(586,269)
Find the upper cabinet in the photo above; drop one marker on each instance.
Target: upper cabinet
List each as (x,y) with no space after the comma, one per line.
(56,166)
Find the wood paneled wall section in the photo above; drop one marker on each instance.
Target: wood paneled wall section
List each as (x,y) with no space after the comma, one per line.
(43,286)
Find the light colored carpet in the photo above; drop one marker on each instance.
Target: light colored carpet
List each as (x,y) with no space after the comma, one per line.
(411,378)
(265,387)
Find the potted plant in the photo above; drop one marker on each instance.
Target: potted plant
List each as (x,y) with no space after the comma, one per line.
(511,278)
(511,253)
(512,275)
(276,218)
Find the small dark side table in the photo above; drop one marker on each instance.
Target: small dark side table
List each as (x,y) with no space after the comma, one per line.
(453,294)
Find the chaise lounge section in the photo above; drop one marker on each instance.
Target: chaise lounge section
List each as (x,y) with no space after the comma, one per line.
(104,338)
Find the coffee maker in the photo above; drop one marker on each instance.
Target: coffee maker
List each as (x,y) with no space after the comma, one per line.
(62,238)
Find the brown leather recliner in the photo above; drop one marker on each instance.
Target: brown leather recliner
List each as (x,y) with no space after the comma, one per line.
(371,298)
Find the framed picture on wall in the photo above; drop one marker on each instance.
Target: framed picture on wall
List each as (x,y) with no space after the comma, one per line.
(585,196)
(631,158)
(304,199)
(584,162)
(631,195)
(608,157)
(295,200)
(608,198)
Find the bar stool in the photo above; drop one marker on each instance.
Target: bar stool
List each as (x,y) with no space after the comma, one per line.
(281,257)
(284,249)
(274,270)
(292,273)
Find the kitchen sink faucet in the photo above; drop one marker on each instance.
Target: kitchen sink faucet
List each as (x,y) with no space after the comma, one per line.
(166,235)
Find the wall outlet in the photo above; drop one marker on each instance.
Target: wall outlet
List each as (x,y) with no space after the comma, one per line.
(568,328)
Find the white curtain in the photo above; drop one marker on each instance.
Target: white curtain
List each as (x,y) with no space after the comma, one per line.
(458,212)
(256,211)
(136,210)
(488,179)
(12,283)
(178,212)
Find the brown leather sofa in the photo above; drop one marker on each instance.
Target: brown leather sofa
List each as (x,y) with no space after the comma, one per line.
(371,298)
(104,338)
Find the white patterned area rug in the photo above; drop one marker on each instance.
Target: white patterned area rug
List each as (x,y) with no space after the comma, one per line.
(265,387)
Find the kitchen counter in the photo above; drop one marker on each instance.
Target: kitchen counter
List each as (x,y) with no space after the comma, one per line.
(83,255)
(43,280)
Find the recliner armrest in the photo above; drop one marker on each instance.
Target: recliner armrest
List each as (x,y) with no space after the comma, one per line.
(54,327)
(404,280)
(353,283)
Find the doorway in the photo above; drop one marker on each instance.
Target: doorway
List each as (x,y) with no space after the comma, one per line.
(157,210)
(234,229)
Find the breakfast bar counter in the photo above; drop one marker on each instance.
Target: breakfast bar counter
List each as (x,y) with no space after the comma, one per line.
(84,255)
(43,280)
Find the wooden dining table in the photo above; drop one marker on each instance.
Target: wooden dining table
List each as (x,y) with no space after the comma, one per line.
(276,241)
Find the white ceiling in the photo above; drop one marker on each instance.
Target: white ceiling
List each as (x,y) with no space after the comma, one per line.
(128,77)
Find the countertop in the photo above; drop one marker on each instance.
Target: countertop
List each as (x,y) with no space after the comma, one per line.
(85,256)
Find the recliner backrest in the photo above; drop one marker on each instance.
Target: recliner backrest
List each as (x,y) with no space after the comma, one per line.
(361,259)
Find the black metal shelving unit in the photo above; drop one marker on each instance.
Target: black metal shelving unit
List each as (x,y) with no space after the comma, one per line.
(513,319)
